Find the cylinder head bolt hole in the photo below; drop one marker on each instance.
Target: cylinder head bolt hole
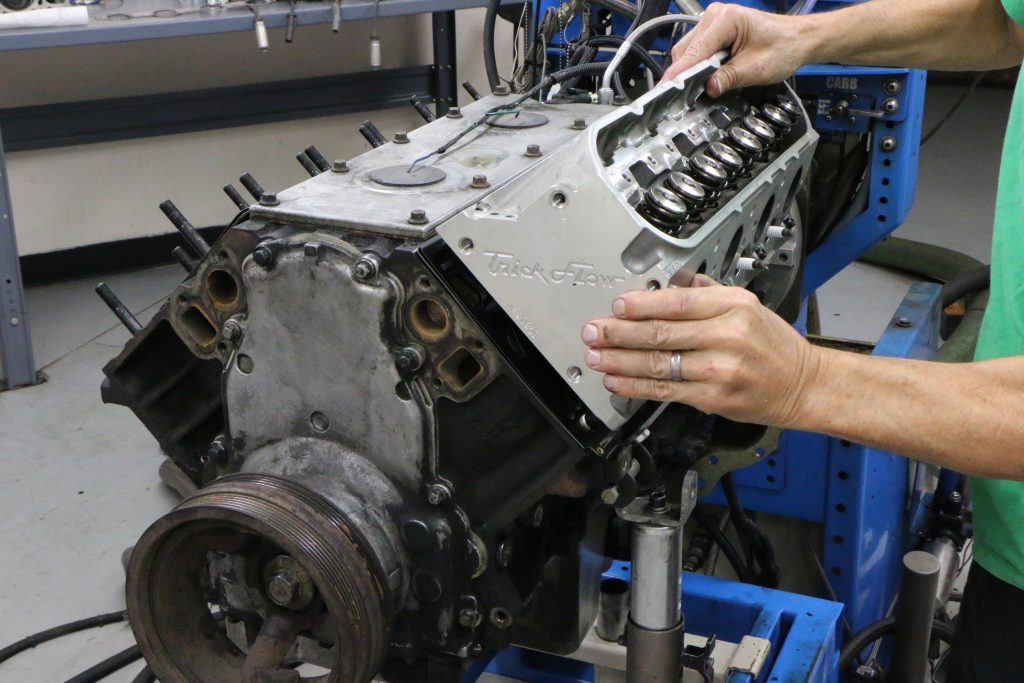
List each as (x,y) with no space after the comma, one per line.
(429,319)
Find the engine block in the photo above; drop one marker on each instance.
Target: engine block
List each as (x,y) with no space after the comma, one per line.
(373,378)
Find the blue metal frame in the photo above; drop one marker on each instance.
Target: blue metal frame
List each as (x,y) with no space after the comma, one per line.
(858,494)
(803,632)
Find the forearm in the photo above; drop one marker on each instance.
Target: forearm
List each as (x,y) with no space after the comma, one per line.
(969,416)
(930,34)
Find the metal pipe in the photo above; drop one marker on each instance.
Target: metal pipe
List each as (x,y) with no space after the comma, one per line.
(613,610)
(945,551)
(606,94)
(915,611)
(655,630)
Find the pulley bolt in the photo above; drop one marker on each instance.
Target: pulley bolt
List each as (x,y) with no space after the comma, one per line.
(455,113)
(500,89)
(401,137)
(418,217)
(579,124)
(269,199)
(747,263)
(778,232)
(888,143)
(479,182)
(365,269)
(283,588)
(533,150)
(339,166)
(437,494)
(263,256)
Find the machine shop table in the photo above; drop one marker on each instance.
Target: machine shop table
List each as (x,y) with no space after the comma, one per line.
(38,127)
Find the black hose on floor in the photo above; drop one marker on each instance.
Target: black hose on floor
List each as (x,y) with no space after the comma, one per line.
(59,631)
(108,666)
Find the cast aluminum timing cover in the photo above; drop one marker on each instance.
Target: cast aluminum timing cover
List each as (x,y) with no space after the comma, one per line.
(554,237)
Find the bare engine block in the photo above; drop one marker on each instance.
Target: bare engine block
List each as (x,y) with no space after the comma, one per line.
(374,378)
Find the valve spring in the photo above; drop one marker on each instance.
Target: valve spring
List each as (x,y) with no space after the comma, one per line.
(760,128)
(777,118)
(746,144)
(665,209)
(709,173)
(731,160)
(789,105)
(692,192)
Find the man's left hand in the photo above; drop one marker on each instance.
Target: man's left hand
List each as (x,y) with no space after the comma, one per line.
(738,358)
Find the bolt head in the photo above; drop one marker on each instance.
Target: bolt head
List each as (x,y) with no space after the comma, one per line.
(469,617)
(263,256)
(365,269)
(533,151)
(500,89)
(283,588)
(789,222)
(455,113)
(418,217)
(269,199)
(579,124)
(893,86)
(480,181)
(437,494)
(904,322)
(339,166)
(401,137)
(217,452)
(231,330)
(538,516)
(610,495)
(891,105)
(888,143)
(657,502)
(410,359)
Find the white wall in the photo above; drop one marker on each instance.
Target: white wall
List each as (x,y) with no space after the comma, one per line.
(88,194)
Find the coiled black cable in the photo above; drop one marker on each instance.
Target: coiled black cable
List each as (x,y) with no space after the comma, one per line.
(706,520)
(764,551)
(59,631)
(880,629)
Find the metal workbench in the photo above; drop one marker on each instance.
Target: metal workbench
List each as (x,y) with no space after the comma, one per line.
(27,128)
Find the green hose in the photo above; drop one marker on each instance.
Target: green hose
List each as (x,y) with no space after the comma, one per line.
(939,265)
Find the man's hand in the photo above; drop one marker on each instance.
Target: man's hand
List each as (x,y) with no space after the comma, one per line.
(739,359)
(766,48)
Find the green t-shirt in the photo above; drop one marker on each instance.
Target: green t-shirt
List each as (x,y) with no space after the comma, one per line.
(999,505)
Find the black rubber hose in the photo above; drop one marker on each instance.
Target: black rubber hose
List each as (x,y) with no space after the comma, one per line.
(880,629)
(586,52)
(967,283)
(145,676)
(108,666)
(59,631)
(728,549)
(490,58)
(764,551)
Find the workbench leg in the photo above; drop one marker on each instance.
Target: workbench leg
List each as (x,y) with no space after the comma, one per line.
(445,79)
(17,367)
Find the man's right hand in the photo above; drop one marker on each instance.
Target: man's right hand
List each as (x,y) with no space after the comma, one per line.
(766,48)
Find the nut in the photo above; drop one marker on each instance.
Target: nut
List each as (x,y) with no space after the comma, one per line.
(366,269)
(579,124)
(263,256)
(283,587)
(410,359)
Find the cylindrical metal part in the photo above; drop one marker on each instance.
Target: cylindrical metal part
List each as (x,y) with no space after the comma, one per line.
(473,92)
(421,108)
(613,609)
(656,590)
(372,134)
(318,159)
(305,162)
(289,31)
(118,308)
(192,237)
(236,197)
(375,52)
(653,656)
(944,550)
(262,39)
(915,611)
(253,187)
(182,257)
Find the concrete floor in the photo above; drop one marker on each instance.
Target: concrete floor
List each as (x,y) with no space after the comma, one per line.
(79,481)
